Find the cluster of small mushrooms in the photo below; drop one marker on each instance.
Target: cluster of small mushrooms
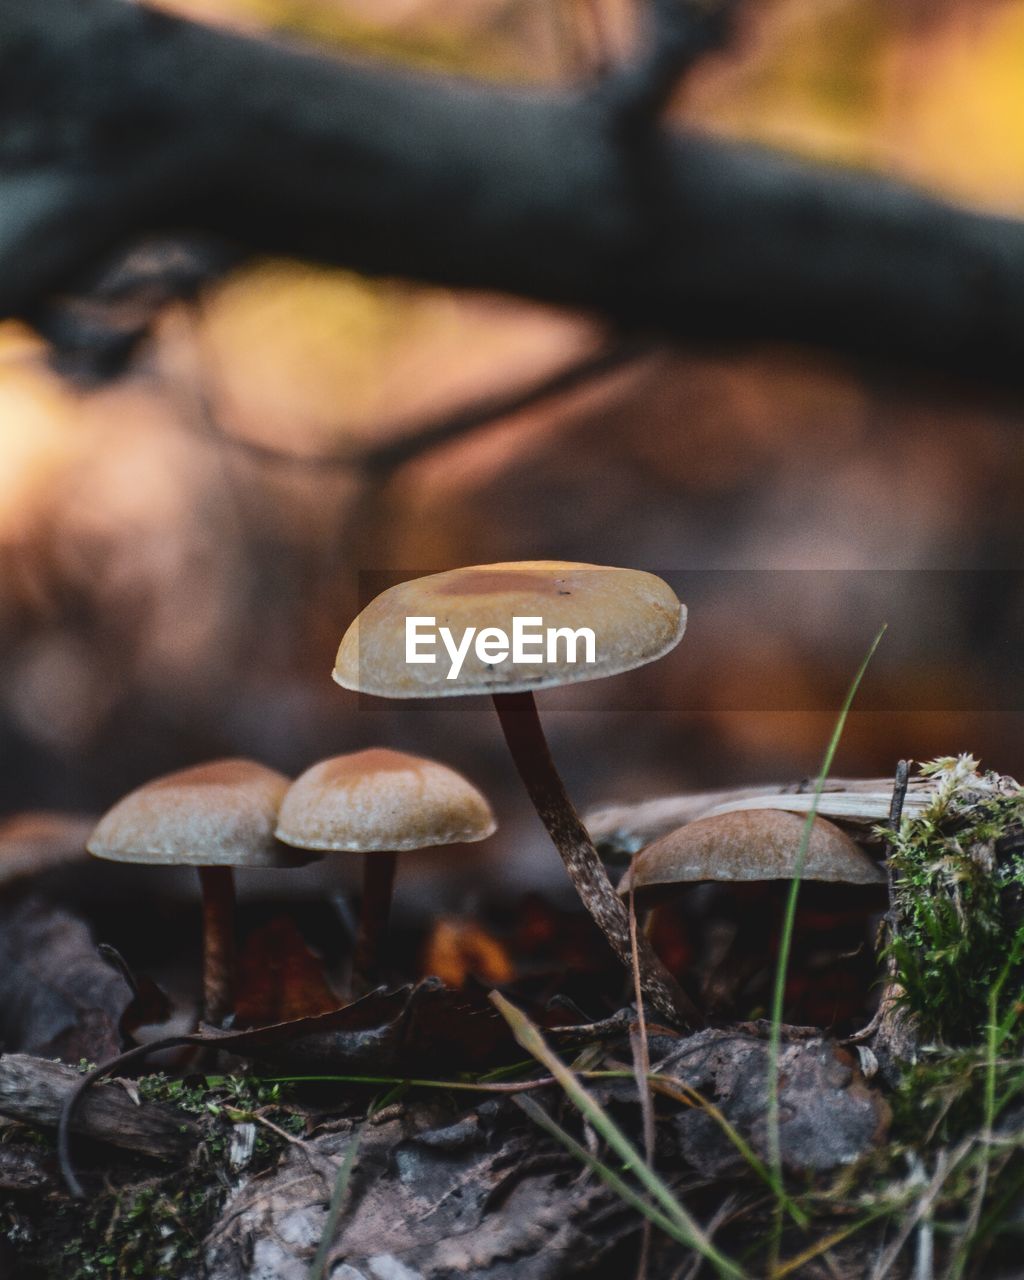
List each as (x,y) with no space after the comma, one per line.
(237,813)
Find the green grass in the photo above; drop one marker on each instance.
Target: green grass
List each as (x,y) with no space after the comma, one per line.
(786,937)
(666,1205)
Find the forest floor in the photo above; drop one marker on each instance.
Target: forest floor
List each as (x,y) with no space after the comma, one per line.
(435,1129)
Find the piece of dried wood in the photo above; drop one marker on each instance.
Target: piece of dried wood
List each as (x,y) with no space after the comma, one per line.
(33,1090)
(859,802)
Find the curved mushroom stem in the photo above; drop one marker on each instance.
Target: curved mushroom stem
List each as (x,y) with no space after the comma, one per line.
(218,888)
(378,883)
(528,745)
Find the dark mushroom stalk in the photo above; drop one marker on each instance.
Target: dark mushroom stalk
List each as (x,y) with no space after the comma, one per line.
(528,746)
(374,912)
(217,886)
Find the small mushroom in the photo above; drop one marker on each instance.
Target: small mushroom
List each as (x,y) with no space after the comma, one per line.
(635,618)
(744,846)
(380,803)
(212,817)
(747,844)
(38,841)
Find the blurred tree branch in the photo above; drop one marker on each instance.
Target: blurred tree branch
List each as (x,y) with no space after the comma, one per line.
(380,460)
(678,33)
(150,123)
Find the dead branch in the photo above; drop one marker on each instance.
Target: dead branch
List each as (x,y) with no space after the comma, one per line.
(678,33)
(34,1090)
(156,123)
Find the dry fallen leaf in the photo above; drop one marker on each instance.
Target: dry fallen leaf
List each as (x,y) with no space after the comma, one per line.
(459,949)
(61,998)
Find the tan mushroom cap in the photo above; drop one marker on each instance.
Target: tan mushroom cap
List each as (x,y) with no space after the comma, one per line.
(635,618)
(382,801)
(36,841)
(750,844)
(217,814)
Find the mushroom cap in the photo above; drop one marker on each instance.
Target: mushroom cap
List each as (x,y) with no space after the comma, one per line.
(39,840)
(212,815)
(750,844)
(382,801)
(635,618)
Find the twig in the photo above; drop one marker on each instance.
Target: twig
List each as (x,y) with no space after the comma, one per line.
(35,1091)
(380,460)
(290,1138)
(899,795)
(945,1163)
(74,1099)
(678,32)
(890,990)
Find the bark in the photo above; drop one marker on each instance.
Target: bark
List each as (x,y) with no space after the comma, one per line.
(33,1090)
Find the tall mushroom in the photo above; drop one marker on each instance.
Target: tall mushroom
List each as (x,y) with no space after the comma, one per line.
(749,845)
(380,803)
(635,618)
(213,817)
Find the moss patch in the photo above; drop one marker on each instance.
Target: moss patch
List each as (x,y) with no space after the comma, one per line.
(141,1225)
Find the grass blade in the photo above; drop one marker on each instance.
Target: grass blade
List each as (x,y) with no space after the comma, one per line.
(789,918)
(318,1267)
(621,1188)
(533,1042)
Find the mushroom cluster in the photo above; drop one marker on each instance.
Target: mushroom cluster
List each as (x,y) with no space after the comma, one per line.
(380,803)
(238,813)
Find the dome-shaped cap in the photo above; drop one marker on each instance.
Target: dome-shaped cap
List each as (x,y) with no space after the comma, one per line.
(635,618)
(751,844)
(39,840)
(382,801)
(217,814)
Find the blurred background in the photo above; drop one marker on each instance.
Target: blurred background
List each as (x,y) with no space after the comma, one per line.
(184,543)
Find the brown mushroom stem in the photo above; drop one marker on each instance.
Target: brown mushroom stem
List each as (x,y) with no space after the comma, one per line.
(218,889)
(528,745)
(378,883)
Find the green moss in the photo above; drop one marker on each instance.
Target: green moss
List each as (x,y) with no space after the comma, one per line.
(146,1227)
(960,886)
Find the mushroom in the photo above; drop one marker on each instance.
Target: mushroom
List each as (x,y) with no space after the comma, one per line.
(380,803)
(747,844)
(38,841)
(213,817)
(635,618)
(744,846)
